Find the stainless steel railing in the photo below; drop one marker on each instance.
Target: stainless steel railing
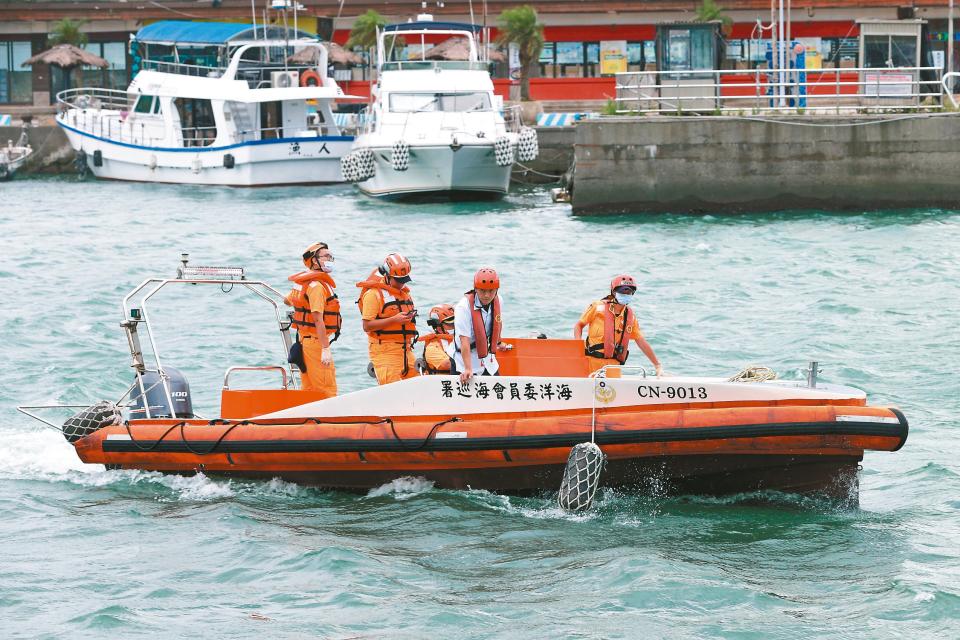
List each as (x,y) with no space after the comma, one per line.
(719,91)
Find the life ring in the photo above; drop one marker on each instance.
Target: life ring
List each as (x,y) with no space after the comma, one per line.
(310,78)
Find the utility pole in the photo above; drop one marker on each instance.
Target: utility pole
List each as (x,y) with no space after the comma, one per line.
(781,57)
(950,45)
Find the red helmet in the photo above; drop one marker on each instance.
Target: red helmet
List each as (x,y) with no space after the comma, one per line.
(486,278)
(441,312)
(396,266)
(311,251)
(440,315)
(623,280)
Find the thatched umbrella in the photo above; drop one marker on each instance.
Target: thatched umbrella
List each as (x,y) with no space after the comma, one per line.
(335,54)
(67,56)
(459,49)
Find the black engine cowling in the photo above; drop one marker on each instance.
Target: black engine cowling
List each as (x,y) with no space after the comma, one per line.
(157,396)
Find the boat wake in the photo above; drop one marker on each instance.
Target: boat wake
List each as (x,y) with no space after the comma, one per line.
(45,456)
(402,488)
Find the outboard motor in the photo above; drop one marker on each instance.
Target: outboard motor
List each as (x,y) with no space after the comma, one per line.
(157,396)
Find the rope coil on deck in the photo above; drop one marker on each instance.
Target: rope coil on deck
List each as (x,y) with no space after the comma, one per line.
(754,373)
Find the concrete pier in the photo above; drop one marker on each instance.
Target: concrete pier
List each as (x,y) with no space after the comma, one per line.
(689,164)
(555,158)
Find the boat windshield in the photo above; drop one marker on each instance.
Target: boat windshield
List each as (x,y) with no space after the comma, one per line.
(447,101)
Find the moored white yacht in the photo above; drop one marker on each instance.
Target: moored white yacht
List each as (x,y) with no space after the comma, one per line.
(435,127)
(215,104)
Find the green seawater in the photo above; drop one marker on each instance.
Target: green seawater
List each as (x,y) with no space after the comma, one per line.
(89,553)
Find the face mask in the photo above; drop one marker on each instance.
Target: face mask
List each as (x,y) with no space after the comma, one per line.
(623,298)
(326,267)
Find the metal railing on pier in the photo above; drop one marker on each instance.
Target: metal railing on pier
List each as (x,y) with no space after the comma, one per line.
(435,65)
(745,90)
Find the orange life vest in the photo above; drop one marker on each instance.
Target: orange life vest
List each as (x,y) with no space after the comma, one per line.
(482,343)
(613,347)
(401,303)
(435,339)
(302,316)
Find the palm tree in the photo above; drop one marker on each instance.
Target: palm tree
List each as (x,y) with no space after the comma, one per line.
(364,34)
(520,25)
(710,11)
(68,31)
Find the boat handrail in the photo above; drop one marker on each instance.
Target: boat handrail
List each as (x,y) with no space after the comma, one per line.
(269,367)
(133,316)
(198,137)
(96,98)
(110,125)
(182,68)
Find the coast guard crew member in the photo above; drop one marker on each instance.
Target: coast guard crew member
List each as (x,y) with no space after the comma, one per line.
(316,317)
(435,358)
(611,325)
(477,327)
(389,319)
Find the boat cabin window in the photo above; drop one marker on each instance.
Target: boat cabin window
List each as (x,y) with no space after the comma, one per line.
(147,104)
(271,124)
(460,101)
(197,123)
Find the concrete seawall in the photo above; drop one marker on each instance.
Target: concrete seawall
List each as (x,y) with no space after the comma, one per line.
(556,156)
(738,164)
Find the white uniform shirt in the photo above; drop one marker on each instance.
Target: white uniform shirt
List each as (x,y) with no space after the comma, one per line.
(463,326)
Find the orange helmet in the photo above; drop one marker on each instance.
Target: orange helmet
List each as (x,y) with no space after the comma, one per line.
(486,278)
(312,251)
(623,280)
(397,267)
(440,315)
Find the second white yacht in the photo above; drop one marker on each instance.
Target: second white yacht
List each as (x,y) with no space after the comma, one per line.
(435,127)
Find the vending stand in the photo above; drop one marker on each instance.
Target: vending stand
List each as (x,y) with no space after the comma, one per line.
(891,54)
(688,57)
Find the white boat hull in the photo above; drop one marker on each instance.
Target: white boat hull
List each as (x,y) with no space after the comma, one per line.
(11,159)
(259,163)
(439,171)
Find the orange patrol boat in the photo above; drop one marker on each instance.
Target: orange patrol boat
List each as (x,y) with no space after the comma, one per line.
(510,433)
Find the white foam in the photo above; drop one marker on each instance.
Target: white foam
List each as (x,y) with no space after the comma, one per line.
(276,486)
(39,454)
(197,488)
(402,488)
(46,455)
(924,596)
(549,510)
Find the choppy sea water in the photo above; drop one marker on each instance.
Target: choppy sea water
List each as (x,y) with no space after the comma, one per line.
(88,552)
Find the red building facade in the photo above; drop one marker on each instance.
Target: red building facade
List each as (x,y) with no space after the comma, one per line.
(569,67)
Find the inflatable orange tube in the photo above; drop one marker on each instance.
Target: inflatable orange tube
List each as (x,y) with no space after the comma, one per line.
(519,453)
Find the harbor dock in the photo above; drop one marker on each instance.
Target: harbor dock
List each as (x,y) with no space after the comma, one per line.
(705,164)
